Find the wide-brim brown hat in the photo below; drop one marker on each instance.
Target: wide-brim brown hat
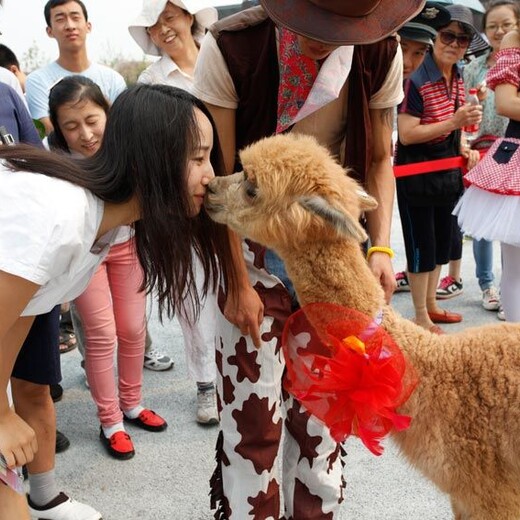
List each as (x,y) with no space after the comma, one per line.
(342,22)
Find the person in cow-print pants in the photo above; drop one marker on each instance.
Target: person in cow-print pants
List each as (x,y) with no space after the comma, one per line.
(251,401)
(291,65)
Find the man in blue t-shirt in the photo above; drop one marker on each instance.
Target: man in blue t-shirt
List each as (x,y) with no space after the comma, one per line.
(67,22)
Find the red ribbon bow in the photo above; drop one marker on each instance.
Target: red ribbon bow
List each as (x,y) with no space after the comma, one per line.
(347,372)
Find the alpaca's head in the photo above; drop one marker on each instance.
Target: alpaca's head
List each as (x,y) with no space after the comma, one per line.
(290,192)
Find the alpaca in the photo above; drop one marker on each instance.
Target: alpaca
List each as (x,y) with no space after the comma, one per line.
(294,198)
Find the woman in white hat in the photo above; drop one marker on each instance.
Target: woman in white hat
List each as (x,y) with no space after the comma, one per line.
(173,30)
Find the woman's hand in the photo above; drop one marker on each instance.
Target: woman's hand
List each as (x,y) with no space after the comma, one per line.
(472,156)
(17,439)
(246,310)
(482,91)
(467,115)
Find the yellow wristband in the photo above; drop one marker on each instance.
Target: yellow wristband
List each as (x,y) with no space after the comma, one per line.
(380,249)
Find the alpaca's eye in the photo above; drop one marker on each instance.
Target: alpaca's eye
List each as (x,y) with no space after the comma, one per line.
(251,189)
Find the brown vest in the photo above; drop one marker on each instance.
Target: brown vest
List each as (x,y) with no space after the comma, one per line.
(247,42)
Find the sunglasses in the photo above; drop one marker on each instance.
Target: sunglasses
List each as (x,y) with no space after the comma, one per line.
(448,38)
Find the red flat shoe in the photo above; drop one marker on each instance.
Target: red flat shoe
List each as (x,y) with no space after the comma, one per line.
(119,445)
(148,420)
(445,317)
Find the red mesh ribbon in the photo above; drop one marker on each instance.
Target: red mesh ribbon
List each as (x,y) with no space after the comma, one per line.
(347,372)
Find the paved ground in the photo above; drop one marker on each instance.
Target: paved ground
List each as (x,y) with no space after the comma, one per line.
(168,477)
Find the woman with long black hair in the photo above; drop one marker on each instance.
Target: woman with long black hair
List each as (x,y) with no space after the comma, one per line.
(58,217)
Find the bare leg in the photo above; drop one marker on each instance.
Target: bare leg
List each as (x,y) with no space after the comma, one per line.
(420,287)
(34,405)
(12,505)
(454,268)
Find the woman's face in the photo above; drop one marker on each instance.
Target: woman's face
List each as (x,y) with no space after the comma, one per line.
(451,44)
(82,125)
(500,20)
(200,170)
(172,31)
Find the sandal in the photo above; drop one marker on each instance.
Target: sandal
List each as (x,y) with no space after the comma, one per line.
(67,340)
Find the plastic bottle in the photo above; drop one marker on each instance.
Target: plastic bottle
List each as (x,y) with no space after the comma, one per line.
(470,132)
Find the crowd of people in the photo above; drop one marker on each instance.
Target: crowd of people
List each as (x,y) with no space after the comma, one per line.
(116,216)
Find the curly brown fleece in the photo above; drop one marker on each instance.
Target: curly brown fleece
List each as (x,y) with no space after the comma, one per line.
(465,435)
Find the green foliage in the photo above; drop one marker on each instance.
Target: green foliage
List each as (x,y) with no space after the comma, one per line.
(39,126)
(33,59)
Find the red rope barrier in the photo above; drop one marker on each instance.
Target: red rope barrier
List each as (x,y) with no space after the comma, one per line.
(406,170)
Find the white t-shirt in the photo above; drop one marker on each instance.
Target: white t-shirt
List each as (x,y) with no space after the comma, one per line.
(40,82)
(48,231)
(166,72)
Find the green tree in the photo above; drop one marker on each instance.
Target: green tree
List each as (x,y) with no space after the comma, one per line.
(34,58)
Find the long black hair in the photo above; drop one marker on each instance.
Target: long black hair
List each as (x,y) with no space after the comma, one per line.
(73,89)
(150,132)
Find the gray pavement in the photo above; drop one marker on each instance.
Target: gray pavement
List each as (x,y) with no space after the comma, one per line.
(168,477)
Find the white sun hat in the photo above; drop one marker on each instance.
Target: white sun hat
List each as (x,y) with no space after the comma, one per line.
(204,15)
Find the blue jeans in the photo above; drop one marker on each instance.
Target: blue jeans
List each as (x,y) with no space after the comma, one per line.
(274,265)
(483,255)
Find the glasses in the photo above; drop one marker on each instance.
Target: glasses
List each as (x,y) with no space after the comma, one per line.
(448,38)
(506,27)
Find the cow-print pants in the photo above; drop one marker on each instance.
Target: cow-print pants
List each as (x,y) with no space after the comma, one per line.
(264,431)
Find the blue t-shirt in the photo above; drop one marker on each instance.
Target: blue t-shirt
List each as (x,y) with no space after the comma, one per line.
(40,82)
(16,118)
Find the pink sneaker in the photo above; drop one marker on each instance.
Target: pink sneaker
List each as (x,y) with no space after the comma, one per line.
(449,288)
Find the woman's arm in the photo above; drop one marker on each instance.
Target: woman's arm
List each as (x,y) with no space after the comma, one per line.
(17,439)
(507,101)
(411,131)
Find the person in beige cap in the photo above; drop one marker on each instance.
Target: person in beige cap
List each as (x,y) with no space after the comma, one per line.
(299,66)
(173,29)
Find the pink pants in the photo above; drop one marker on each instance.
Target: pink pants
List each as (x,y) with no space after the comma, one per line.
(112,310)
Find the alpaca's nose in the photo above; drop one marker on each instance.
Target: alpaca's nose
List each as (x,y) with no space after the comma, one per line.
(211,188)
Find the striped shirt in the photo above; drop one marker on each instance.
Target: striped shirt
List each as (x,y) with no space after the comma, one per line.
(430,98)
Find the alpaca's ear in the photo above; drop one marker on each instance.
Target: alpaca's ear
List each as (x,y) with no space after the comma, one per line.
(342,222)
(368,203)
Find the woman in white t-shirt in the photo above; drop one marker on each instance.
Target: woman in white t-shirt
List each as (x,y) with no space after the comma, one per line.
(112,308)
(59,216)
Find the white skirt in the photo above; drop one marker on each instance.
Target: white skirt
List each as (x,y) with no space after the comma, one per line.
(492,216)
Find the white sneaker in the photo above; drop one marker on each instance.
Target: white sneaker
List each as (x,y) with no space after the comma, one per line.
(67,509)
(155,360)
(207,412)
(490,299)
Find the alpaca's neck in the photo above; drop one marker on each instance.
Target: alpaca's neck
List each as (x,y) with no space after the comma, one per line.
(334,273)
